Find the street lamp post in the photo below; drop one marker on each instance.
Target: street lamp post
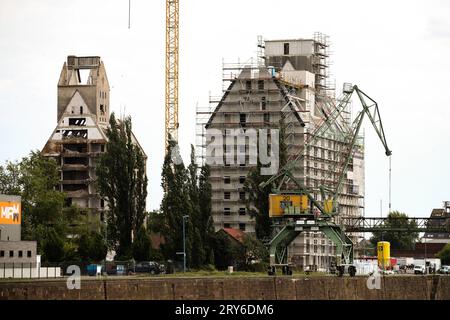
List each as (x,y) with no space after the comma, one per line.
(184,242)
(425,242)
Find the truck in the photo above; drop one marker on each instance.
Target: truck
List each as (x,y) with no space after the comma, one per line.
(419,269)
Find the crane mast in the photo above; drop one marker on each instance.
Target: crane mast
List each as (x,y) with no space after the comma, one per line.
(171,101)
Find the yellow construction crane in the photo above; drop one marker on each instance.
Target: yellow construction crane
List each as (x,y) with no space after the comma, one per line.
(171,116)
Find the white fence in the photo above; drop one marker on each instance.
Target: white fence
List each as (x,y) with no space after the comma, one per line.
(24,272)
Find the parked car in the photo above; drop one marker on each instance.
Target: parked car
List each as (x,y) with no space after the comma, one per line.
(151,267)
(388,271)
(444,270)
(419,269)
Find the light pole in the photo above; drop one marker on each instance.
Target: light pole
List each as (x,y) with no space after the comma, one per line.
(184,242)
(425,260)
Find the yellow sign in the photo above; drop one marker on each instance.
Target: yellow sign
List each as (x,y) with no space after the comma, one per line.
(10,213)
(280,204)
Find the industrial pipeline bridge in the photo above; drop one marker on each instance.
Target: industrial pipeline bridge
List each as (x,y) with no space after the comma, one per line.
(401,224)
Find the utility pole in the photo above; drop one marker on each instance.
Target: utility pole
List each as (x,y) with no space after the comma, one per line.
(425,260)
(381,216)
(184,242)
(390,181)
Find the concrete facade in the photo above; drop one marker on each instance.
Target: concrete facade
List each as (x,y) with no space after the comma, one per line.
(18,252)
(12,249)
(10,218)
(79,138)
(291,85)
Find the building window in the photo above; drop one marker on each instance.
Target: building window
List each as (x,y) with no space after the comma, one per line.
(242,164)
(2,253)
(315,249)
(286,48)
(11,254)
(29,253)
(226,225)
(242,118)
(266,117)
(242,226)
(227,195)
(77,121)
(248,85)
(81,109)
(263,103)
(227,180)
(241,195)
(226,211)
(20,253)
(260,84)
(242,211)
(242,179)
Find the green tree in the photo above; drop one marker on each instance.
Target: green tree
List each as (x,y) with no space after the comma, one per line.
(122,182)
(53,246)
(397,239)
(175,204)
(227,252)
(10,175)
(255,251)
(142,246)
(198,253)
(242,255)
(92,247)
(44,216)
(444,255)
(206,223)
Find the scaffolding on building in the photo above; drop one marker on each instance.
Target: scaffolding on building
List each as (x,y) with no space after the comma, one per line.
(314,170)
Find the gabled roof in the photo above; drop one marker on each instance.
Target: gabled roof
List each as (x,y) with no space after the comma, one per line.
(219,105)
(283,91)
(236,234)
(75,95)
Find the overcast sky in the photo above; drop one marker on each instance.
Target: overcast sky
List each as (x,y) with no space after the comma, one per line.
(395,51)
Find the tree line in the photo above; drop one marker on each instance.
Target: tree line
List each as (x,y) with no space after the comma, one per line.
(68,233)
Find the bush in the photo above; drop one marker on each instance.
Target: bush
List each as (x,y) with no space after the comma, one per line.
(92,247)
(142,246)
(208,267)
(257,267)
(53,247)
(444,255)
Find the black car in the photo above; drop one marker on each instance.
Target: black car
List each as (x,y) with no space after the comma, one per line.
(148,267)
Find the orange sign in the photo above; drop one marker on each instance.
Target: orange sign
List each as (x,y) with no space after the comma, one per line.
(10,213)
